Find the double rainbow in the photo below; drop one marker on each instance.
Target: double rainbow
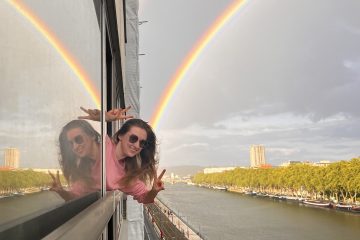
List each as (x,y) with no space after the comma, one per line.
(169,91)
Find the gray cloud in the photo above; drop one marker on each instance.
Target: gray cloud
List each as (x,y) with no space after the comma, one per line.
(284,74)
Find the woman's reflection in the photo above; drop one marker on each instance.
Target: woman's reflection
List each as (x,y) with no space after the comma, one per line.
(79,160)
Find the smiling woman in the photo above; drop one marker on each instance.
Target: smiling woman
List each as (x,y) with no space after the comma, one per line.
(130,158)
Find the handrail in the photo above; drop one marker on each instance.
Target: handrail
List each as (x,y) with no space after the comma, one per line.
(91,222)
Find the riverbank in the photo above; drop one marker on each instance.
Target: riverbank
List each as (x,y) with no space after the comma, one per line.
(227,216)
(22,192)
(323,203)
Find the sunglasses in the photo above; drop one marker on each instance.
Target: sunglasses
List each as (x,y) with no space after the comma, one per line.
(133,139)
(78,140)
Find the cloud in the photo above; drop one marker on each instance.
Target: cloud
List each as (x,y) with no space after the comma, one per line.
(350,28)
(26,128)
(190,145)
(353,65)
(249,125)
(283,151)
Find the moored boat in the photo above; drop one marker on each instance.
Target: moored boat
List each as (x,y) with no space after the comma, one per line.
(355,209)
(250,193)
(342,206)
(292,198)
(317,203)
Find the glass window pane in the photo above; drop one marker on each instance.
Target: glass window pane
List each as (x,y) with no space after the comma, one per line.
(49,67)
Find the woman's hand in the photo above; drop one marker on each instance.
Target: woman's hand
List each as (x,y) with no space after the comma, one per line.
(158,185)
(117,114)
(112,115)
(56,185)
(93,114)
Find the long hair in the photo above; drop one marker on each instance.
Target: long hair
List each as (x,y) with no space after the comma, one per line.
(143,165)
(74,168)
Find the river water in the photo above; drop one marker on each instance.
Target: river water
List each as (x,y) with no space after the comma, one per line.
(225,215)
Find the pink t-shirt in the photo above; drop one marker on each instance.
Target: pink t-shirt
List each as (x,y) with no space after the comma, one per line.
(115,171)
(80,187)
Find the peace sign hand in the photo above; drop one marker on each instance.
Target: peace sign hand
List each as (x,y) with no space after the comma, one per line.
(117,114)
(158,185)
(93,114)
(56,184)
(112,115)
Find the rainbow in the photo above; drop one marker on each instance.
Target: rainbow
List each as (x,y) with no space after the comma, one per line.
(192,56)
(58,46)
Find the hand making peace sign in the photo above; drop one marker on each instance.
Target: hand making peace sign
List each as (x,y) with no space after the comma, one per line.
(56,185)
(158,185)
(112,115)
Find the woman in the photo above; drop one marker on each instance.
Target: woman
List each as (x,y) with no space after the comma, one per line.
(130,156)
(79,159)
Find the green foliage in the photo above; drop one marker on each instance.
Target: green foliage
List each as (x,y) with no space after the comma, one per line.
(340,180)
(21,179)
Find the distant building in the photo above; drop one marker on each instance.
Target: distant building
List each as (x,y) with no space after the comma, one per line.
(217,170)
(322,163)
(291,162)
(257,156)
(12,156)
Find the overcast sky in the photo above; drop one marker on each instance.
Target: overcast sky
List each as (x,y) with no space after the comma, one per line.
(281,73)
(39,92)
(284,74)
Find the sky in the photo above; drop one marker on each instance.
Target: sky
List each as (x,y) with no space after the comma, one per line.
(283,74)
(39,92)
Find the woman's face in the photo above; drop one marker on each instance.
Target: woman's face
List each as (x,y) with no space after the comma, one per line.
(80,142)
(132,142)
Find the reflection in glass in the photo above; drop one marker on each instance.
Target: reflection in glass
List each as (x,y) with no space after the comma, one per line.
(79,160)
(49,65)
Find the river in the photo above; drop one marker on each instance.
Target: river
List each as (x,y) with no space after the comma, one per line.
(225,215)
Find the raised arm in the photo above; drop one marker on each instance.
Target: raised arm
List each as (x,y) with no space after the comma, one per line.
(112,115)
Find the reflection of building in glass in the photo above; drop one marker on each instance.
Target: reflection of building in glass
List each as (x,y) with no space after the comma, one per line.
(257,155)
(12,156)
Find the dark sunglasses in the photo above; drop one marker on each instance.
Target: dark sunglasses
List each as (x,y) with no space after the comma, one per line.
(78,140)
(133,139)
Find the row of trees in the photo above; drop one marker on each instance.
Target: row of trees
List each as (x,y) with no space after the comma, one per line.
(340,180)
(11,181)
